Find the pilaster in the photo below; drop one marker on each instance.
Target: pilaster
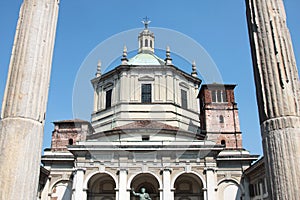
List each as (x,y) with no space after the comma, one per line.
(78,191)
(45,191)
(211,178)
(168,194)
(123,193)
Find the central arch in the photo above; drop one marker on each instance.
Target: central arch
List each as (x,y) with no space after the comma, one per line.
(188,186)
(147,181)
(101,186)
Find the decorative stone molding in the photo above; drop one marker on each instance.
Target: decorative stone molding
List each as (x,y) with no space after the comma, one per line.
(146,78)
(280,123)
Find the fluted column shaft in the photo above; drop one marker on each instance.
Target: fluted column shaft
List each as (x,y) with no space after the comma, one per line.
(25,99)
(277,90)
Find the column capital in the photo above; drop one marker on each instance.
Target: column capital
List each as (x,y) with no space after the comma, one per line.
(80,169)
(214,169)
(166,169)
(122,169)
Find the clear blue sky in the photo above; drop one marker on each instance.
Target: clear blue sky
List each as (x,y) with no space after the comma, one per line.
(219,26)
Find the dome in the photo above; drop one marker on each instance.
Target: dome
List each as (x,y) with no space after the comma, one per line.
(146,58)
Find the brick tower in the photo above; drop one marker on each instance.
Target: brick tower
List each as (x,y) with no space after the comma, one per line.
(68,132)
(219,115)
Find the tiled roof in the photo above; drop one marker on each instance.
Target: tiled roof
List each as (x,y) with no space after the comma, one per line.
(71,121)
(146,124)
(146,59)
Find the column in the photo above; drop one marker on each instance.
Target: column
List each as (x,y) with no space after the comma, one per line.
(277,91)
(96,99)
(123,193)
(78,192)
(45,191)
(122,86)
(25,99)
(169,87)
(167,193)
(157,88)
(211,183)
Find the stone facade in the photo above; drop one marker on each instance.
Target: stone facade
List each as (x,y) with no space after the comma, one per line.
(257,181)
(146,133)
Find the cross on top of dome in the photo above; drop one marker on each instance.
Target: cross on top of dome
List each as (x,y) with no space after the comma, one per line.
(146,22)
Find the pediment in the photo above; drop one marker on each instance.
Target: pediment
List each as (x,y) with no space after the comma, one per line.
(108,85)
(146,78)
(183,84)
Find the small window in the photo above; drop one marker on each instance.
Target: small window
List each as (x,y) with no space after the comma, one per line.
(223,96)
(213,96)
(146,43)
(184,99)
(264,185)
(221,119)
(108,99)
(71,141)
(223,142)
(145,137)
(218,96)
(251,190)
(146,93)
(151,43)
(257,189)
(141,43)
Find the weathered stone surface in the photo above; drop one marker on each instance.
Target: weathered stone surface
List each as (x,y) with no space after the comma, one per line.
(277,88)
(25,98)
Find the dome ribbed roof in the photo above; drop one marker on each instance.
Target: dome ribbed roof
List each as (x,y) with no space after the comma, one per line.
(146,58)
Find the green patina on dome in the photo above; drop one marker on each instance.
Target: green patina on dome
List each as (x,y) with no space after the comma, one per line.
(146,58)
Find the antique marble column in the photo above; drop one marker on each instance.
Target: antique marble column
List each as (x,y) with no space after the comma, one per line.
(277,88)
(25,98)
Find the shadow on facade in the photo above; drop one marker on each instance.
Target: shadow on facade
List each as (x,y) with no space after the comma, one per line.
(101,187)
(147,181)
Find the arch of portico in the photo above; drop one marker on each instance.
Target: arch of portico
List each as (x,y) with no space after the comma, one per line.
(61,189)
(90,175)
(189,172)
(148,180)
(229,188)
(188,186)
(101,186)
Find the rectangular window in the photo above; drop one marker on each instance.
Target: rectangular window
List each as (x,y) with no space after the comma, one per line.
(223,96)
(108,99)
(145,137)
(146,93)
(251,190)
(264,190)
(218,96)
(184,99)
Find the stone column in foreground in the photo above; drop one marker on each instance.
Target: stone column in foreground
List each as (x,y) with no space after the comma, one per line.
(25,99)
(277,88)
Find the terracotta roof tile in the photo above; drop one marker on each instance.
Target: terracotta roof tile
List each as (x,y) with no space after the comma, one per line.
(71,121)
(146,124)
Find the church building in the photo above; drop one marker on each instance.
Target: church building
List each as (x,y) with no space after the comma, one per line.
(153,126)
